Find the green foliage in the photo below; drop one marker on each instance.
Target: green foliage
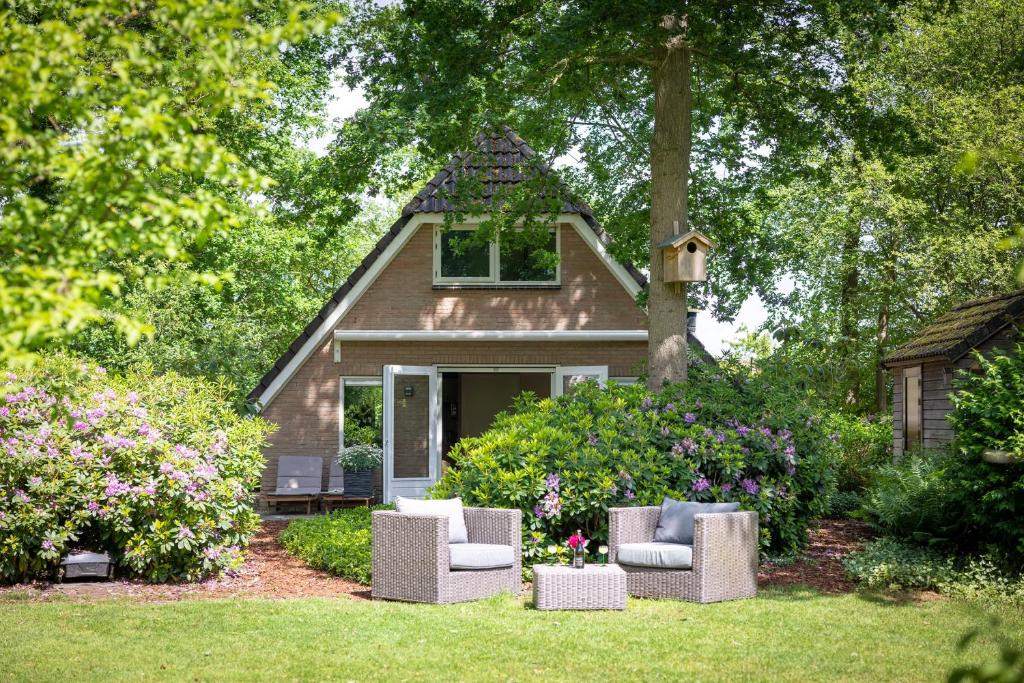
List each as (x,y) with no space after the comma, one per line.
(339,542)
(844,503)
(724,436)
(361,457)
(1008,667)
(865,444)
(111,157)
(989,414)
(157,470)
(915,498)
(890,564)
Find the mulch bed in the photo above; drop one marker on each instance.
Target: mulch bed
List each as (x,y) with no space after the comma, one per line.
(270,572)
(821,565)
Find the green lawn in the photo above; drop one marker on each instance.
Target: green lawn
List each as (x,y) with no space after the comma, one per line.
(787,635)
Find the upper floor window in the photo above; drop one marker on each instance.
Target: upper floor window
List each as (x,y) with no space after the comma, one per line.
(459,260)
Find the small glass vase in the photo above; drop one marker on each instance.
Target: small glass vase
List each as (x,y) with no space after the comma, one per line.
(579,559)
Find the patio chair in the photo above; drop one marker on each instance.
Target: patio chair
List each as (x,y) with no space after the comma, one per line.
(721,563)
(335,492)
(299,479)
(414,559)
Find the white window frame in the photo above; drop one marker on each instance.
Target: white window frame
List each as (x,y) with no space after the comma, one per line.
(494,278)
(352,381)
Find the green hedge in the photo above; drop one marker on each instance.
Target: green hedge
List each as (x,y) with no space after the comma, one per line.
(157,470)
(338,542)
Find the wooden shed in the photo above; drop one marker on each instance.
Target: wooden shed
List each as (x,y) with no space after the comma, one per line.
(923,368)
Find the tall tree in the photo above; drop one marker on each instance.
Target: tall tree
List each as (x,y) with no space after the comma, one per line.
(923,212)
(631,86)
(117,150)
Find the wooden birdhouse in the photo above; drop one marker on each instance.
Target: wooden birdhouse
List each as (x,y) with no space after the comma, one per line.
(685,257)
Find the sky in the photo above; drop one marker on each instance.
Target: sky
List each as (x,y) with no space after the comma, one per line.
(714,334)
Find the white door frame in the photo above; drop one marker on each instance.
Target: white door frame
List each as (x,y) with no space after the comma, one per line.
(599,372)
(415,487)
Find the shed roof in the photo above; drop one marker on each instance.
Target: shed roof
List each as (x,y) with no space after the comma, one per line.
(964,327)
(677,240)
(496,157)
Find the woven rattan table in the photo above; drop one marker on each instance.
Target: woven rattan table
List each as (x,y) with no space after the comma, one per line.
(596,586)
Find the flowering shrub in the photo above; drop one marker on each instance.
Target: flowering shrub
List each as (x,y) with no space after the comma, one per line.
(564,462)
(156,470)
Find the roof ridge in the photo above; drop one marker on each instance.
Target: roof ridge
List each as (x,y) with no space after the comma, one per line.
(987,299)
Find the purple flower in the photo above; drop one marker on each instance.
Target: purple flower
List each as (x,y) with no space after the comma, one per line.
(689,418)
(538,511)
(629,494)
(623,474)
(646,403)
(750,486)
(211,553)
(132,397)
(552,481)
(35,481)
(149,490)
(92,506)
(5,411)
(178,475)
(701,484)
(720,437)
(726,487)
(47,544)
(80,426)
(166,468)
(670,408)
(206,471)
(115,487)
(185,532)
(184,451)
(742,430)
(592,439)
(698,405)
(21,495)
(708,433)
(665,431)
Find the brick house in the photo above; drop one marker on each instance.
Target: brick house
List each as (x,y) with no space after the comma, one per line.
(446,337)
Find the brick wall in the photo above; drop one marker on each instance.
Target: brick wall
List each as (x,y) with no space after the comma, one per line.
(403,298)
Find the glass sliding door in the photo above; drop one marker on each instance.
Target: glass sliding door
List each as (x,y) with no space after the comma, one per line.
(568,377)
(411,436)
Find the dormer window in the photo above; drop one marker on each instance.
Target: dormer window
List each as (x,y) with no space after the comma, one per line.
(463,262)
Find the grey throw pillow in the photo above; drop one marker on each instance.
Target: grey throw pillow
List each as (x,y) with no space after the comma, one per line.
(450,508)
(675,524)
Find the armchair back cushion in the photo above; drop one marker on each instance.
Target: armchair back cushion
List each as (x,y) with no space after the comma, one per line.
(450,508)
(675,524)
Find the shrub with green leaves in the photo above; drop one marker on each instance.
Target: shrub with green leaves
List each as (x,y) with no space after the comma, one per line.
(915,498)
(156,470)
(339,542)
(865,444)
(890,564)
(989,415)
(565,461)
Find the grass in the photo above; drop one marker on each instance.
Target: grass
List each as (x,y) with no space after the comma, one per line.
(783,635)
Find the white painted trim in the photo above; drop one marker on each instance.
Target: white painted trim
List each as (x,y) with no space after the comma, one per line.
(322,333)
(597,371)
(434,430)
(494,368)
(355,382)
(384,260)
(491,335)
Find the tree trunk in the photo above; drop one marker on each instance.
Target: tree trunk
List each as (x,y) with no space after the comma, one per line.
(670,174)
(881,395)
(850,260)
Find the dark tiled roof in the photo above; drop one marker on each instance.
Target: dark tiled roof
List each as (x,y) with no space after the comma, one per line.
(964,327)
(498,155)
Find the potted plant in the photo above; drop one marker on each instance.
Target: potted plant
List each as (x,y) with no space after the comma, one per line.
(359,462)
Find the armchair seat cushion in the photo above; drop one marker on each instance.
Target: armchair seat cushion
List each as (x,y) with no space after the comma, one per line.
(656,555)
(479,556)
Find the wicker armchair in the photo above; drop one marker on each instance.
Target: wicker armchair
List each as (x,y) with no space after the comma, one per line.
(724,556)
(411,558)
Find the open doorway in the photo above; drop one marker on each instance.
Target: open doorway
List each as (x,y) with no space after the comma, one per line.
(470,400)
